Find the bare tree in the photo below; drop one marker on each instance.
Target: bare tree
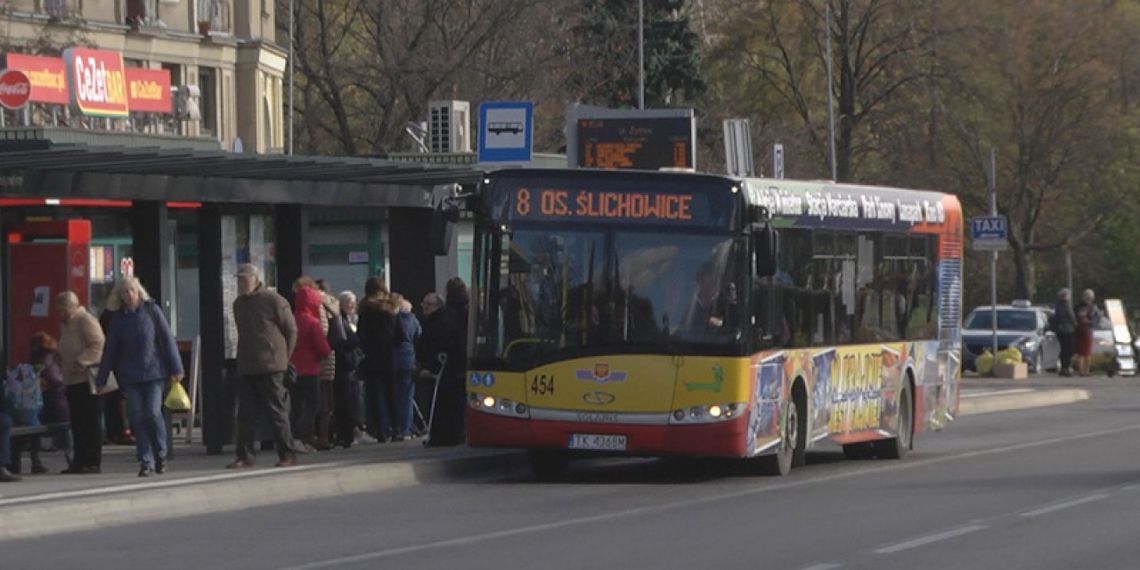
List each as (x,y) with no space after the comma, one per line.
(370,67)
(1037,84)
(878,49)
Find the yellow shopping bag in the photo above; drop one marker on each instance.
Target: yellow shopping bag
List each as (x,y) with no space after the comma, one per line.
(177,400)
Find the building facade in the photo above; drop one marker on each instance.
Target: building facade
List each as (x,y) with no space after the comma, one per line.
(223,70)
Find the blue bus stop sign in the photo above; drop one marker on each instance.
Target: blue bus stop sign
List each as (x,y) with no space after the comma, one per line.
(506,131)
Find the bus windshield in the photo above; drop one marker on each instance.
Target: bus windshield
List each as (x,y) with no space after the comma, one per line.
(551,292)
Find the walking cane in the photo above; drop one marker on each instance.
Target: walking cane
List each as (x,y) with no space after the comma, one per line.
(435,390)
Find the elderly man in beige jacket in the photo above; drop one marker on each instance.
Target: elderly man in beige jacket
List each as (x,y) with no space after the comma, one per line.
(81,348)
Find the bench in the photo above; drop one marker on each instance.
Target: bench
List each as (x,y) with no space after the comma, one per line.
(22,434)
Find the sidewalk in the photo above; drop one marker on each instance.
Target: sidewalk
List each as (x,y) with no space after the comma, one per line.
(196,483)
(981,395)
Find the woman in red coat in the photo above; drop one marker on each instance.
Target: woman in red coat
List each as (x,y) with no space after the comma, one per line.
(312,347)
(1087,318)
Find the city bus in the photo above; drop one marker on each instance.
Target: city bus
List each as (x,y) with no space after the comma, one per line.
(665,313)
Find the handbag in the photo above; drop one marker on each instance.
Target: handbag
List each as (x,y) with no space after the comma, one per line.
(177,400)
(111,386)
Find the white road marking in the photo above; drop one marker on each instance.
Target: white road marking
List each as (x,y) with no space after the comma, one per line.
(824,566)
(986,393)
(378,554)
(1064,505)
(930,538)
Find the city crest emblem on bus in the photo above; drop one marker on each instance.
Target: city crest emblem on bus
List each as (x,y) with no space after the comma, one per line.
(601,370)
(601,374)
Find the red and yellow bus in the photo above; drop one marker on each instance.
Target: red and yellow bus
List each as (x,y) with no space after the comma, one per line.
(654,313)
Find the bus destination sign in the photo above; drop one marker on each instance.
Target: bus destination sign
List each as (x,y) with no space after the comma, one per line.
(636,143)
(606,206)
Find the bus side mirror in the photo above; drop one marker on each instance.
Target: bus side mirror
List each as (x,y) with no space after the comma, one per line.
(764,248)
(442,233)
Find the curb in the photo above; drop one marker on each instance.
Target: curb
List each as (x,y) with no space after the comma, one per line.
(48,517)
(988,403)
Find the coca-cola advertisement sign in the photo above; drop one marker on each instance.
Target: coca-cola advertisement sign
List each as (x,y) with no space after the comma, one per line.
(15,89)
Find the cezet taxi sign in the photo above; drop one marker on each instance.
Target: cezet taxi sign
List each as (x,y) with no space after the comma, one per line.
(98,82)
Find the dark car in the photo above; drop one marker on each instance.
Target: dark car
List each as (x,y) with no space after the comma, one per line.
(1018,324)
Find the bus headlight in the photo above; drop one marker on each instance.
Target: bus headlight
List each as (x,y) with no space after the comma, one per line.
(708,413)
(498,406)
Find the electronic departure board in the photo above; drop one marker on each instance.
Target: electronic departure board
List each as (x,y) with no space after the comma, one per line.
(636,143)
(607,200)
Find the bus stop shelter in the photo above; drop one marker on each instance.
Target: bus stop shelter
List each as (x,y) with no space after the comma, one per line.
(151,173)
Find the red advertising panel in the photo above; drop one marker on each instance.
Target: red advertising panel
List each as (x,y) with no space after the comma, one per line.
(49,80)
(98,82)
(148,90)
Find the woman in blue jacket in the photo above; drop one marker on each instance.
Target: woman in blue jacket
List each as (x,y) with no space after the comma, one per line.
(142,353)
(408,332)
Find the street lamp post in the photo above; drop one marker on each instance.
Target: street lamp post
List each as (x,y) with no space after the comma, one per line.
(292,70)
(641,54)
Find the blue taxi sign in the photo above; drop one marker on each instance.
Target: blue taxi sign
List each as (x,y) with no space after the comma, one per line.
(989,233)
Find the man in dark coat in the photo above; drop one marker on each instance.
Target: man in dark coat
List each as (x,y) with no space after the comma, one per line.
(376,330)
(442,336)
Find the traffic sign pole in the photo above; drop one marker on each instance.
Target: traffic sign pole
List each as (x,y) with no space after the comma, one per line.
(993,260)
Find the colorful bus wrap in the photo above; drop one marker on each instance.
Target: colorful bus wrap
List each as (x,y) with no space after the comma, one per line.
(649,313)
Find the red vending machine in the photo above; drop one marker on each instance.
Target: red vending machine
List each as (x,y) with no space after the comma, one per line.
(44,258)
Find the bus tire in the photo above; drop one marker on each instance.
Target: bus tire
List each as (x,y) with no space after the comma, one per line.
(548,464)
(790,452)
(897,447)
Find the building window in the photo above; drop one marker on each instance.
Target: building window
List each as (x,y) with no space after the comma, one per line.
(57,9)
(208,101)
(267,125)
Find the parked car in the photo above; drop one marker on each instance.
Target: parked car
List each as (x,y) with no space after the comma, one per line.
(1018,324)
(1103,340)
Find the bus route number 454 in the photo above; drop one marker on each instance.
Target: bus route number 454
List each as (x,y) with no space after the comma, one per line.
(542,385)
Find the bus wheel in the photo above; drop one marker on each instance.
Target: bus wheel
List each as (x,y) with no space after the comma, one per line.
(548,464)
(896,447)
(791,438)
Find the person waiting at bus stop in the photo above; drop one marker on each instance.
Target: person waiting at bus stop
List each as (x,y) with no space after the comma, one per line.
(376,330)
(6,442)
(267,335)
(142,353)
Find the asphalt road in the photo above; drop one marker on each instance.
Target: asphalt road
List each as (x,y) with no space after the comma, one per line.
(1047,488)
